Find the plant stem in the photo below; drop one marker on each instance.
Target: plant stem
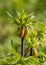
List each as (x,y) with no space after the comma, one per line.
(22,46)
(30,51)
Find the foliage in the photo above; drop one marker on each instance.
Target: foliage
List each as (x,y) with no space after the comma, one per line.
(13,15)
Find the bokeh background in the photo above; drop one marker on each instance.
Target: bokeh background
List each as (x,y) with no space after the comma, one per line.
(8,28)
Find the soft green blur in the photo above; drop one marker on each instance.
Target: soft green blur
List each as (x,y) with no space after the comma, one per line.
(36,6)
(8,27)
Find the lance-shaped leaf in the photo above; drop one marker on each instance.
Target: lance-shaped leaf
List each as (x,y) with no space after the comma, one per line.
(17,21)
(9,14)
(28,18)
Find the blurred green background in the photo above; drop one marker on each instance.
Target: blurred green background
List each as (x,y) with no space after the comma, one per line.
(8,28)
